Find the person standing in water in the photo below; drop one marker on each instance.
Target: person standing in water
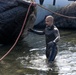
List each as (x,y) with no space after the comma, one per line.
(52,36)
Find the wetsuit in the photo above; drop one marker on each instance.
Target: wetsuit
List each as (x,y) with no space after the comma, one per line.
(52,36)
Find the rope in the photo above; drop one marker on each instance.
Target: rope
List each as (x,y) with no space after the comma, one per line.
(56,13)
(18,35)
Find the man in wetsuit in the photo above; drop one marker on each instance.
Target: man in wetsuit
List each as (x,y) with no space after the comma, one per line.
(52,36)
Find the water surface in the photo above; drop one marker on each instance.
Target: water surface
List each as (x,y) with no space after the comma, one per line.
(28,56)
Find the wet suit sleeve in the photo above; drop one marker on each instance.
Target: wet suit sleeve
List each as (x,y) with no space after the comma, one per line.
(57,35)
(37,31)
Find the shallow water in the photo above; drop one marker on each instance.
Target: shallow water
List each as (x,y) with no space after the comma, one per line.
(28,56)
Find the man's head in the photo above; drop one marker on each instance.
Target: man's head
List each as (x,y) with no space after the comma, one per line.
(49,20)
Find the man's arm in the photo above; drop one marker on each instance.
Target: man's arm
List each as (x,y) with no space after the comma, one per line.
(36,31)
(57,35)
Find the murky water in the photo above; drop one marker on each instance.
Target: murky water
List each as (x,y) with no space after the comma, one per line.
(28,56)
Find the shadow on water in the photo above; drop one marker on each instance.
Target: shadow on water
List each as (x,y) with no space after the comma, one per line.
(28,56)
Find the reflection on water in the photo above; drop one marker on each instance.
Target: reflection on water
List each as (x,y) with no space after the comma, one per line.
(28,57)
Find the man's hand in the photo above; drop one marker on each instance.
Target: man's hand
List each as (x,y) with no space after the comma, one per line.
(51,44)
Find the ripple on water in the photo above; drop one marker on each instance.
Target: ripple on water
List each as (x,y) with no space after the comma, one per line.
(66,61)
(36,60)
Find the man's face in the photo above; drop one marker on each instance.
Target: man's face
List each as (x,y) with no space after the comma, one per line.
(48,21)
